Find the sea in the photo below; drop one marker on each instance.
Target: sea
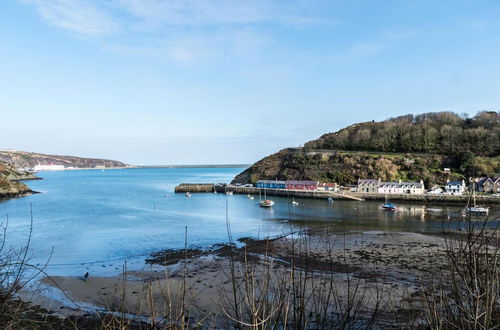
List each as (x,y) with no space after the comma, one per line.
(101,220)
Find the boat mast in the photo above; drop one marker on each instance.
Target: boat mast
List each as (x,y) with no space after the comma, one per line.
(474,193)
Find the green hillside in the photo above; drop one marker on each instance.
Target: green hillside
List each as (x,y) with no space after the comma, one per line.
(407,148)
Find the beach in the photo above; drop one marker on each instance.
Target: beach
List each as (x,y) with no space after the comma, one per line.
(377,261)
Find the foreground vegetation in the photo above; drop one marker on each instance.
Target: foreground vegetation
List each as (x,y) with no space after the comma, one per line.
(264,289)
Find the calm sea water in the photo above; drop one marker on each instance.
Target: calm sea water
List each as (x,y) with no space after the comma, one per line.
(95,220)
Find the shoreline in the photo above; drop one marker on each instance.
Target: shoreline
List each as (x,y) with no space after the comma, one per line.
(390,259)
(314,194)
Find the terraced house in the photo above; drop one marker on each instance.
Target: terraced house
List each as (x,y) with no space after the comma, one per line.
(377,187)
(270,184)
(368,185)
(489,185)
(401,187)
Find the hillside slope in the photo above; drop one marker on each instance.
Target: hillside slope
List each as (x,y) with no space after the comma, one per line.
(407,148)
(23,159)
(9,187)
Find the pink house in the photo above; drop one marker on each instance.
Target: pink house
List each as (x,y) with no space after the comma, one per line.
(301,185)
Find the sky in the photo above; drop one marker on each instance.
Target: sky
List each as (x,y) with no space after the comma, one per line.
(231,81)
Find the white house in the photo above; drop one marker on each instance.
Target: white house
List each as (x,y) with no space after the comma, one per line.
(51,167)
(401,187)
(455,187)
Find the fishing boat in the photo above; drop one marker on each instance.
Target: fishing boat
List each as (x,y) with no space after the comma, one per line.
(476,209)
(266,203)
(188,194)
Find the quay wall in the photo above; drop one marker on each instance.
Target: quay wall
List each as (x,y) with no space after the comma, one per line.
(222,188)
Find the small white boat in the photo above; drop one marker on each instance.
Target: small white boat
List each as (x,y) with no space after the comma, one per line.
(476,209)
(330,200)
(230,193)
(295,203)
(266,203)
(188,194)
(250,197)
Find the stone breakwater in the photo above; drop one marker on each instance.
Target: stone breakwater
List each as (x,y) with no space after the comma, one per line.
(195,188)
(222,188)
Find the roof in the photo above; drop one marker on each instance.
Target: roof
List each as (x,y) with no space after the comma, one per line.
(400,185)
(368,181)
(455,183)
(327,184)
(271,181)
(307,183)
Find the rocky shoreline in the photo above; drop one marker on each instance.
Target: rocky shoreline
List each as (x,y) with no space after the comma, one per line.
(12,189)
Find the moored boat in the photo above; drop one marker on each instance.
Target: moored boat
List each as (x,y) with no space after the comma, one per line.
(188,194)
(389,207)
(266,203)
(478,210)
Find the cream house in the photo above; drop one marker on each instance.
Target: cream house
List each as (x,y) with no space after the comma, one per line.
(368,186)
(401,187)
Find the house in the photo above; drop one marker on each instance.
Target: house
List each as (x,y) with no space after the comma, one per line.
(270,184)
(496,186)
(368,185)
(401,187)
(328,186)
(491,185)
(349,188)
(50,167)
(455,187)
(301,185)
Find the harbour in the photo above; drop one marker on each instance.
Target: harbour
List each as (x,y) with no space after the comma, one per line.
(316,194)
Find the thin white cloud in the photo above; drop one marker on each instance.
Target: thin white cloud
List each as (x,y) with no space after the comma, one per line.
(78,16)
(207,12)
(182,31)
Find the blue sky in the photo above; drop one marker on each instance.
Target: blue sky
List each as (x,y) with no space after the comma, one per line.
(213,81)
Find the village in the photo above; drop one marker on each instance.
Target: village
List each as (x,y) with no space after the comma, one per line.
(483,185)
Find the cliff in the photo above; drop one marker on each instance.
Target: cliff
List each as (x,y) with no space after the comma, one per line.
(9,187)
(407,148)
(23,159)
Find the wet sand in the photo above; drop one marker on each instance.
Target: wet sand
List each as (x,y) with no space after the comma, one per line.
(393,262)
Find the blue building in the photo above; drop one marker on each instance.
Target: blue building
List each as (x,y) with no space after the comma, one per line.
(271,184)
